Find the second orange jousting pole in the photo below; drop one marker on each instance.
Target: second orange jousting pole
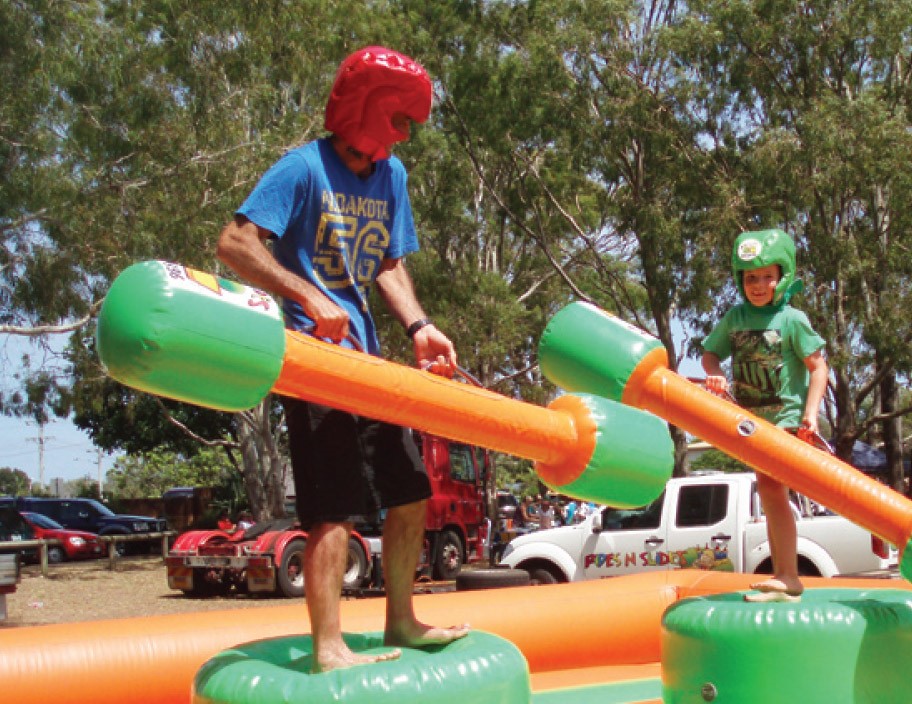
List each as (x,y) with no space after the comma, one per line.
(638,375)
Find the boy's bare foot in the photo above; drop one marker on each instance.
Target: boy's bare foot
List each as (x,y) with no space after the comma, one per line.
(417,635)
(791,588)
(767,597)
(339,658)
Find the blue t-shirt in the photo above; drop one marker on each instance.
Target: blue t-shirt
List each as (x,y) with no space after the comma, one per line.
(334,228)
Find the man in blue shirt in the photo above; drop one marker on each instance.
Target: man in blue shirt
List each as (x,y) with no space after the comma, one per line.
(338,214)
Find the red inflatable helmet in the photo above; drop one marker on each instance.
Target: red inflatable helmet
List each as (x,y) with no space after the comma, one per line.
(371,86)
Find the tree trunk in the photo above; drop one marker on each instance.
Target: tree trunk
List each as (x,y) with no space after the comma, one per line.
(263,467)
(845,430)
(892,433)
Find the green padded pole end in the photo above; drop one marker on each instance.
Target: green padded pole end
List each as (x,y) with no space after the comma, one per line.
(632,460)
(905,564)
(587,350)
(184,334)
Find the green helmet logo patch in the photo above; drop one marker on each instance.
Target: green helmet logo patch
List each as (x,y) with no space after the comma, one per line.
(749,249)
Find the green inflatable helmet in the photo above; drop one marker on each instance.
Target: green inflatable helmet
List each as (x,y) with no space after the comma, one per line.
(754,250)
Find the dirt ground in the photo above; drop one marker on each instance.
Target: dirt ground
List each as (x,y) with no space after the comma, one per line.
(89,591)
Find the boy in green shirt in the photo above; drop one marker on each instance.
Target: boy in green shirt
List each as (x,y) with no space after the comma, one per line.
(778,372)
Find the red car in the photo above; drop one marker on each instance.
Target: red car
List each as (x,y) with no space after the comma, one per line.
(76,544)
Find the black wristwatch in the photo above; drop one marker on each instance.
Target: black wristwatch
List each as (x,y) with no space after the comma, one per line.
(416,326)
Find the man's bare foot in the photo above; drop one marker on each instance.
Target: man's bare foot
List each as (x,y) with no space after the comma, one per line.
(780,586)
(338,658)
(417,635)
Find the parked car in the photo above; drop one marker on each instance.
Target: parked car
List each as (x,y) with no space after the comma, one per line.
(13,528)
(92,516)
(76,544)
(709,521)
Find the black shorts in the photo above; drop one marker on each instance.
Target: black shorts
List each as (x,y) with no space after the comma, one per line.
(346,467)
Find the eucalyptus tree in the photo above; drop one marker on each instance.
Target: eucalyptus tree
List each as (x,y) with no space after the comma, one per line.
(478,267)
(577,129)
(135,131)
(816,99)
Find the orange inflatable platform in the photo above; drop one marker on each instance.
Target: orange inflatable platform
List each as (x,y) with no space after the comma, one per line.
(570,634)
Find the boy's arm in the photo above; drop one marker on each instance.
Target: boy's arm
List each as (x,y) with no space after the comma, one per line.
(820,372)
(716,381)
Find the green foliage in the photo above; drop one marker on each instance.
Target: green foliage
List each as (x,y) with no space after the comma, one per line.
(719,461)
(41,492)
(85,488)
(515,475)
(150,474)
(608,150)
(14,482)
(119,418)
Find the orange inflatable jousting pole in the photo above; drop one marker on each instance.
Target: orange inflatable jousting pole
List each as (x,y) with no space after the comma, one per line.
(194,337)
(639,376)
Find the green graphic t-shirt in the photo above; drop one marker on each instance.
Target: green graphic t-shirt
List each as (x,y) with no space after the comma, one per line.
(768,346)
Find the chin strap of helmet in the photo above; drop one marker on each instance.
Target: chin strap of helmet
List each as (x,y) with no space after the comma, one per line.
(796,287)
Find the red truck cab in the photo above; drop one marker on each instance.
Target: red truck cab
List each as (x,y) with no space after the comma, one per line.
(457,528)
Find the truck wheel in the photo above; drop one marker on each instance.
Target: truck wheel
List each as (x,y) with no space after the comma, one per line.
(357,567)
(447,556)
(491,579)
(120,546)
(290,577)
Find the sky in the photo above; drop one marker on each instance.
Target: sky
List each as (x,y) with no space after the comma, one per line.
(68,452)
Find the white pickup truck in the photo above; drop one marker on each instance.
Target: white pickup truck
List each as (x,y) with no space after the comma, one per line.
(710,521)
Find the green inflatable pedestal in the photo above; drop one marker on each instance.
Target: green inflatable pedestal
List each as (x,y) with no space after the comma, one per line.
(835,646)
(479,669)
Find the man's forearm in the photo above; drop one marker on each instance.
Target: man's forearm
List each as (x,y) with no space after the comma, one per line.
(241,246)
(398,292)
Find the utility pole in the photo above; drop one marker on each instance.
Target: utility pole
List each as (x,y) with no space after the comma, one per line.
(99,453)
(42,441)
